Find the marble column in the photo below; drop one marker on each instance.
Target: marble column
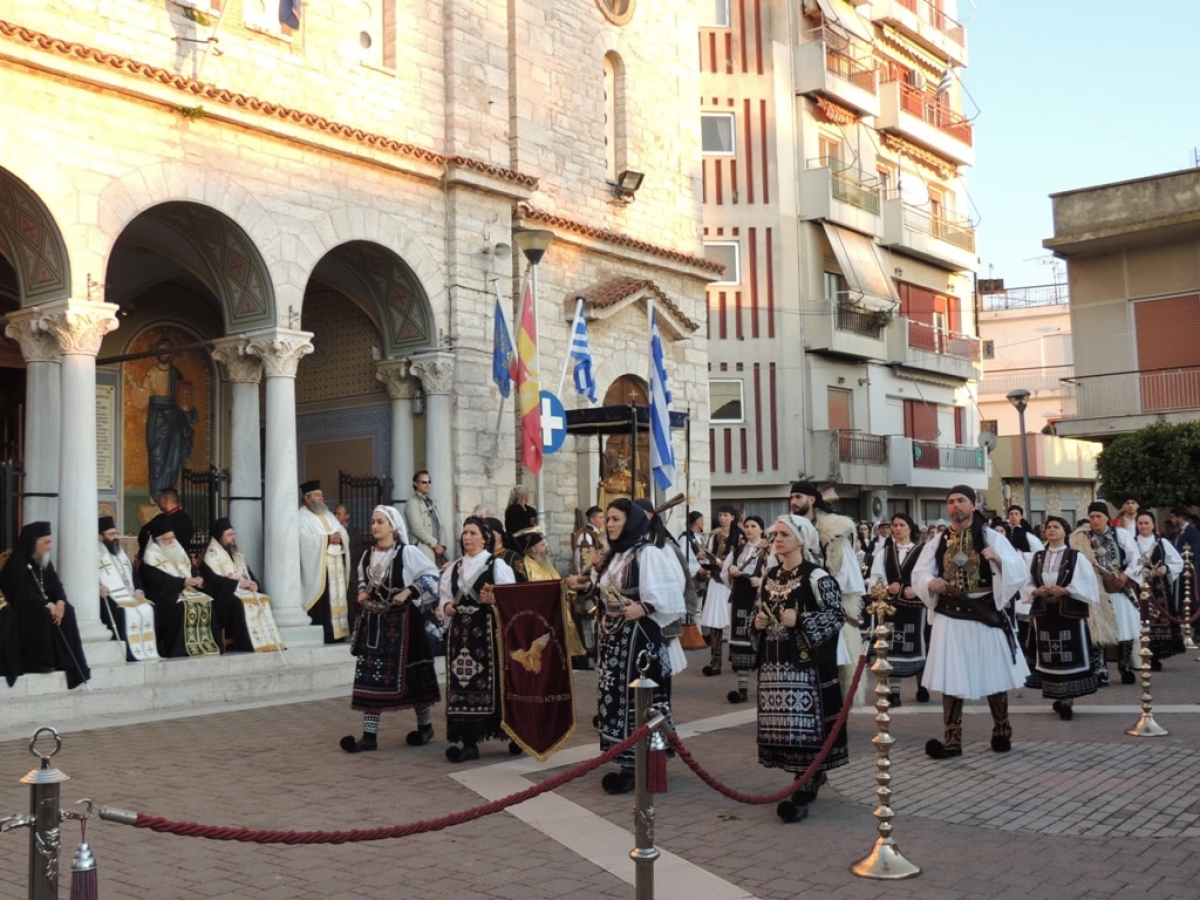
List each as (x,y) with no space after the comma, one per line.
(402,388)
(436,372)
(79,326)
(43,388)
(245,457)
(281,351)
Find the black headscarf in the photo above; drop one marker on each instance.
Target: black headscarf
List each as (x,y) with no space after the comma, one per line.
(489,539)
(658,531)
(637,525)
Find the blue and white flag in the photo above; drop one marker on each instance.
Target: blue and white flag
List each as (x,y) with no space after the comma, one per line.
(502,351)
(946,83)
(585,381)
(662,454)
(289,13)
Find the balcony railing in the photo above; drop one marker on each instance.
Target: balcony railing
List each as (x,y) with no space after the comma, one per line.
(846,56)
(849,185)
(956,457)
(1133,393)
(858,321)
(1027,297)
(942,341)
(933,111)
(1047,379)
(927,12)
(856,447)
(952,230)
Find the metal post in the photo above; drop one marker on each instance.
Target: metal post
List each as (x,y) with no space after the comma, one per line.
(645,853)
(43,820)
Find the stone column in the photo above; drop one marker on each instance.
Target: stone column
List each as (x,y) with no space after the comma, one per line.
(436,372)
(79,326)
(245,457)
(281,351)
(402,388)
(43,387)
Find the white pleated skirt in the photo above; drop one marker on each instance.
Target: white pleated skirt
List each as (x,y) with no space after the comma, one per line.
(716,606)
(1129,625)
(970,660)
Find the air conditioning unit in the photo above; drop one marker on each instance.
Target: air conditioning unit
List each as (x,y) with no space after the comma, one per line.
(989,349)
(876,505)
(915,79)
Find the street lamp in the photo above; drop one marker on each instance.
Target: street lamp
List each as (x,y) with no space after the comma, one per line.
(533,243)
(1019,397)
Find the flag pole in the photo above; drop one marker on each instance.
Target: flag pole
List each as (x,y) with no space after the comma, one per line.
(653,484)
(543,512)
(570,343)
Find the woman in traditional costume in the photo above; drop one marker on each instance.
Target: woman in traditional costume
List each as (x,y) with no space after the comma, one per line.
(395,661)
(1161,566)
(893,567)
(742,573)
(1061,593)
(473,666)
(797,620)
(639,588)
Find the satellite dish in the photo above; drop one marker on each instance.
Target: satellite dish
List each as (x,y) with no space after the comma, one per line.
(987,440)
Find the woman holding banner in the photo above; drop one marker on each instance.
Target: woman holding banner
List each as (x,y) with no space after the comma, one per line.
(639,587)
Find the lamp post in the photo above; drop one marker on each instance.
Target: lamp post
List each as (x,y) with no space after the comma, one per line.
(1018,397)
(533,242)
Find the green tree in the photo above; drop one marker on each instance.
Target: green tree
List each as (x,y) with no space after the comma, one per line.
(1160,463)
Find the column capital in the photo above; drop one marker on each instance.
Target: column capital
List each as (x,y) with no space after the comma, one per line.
(26,327)
(79,326)
(280,350)
(436,371)
(235,359)
(397,375)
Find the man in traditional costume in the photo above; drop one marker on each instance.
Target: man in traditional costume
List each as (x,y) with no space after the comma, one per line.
(727,538)
(1025,542)
(837,557)
(169,509)
(324,565)
(893,567)
(796,626)
(244,611)
(423,521)
(588,546)
(1126,517)
(640,589)
(184,618)
(47,634)
(1114,555)
(123,605)
(1060,593)
(395,661)
(965,577)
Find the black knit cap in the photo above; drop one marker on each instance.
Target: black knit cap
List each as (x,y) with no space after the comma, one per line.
(964,489)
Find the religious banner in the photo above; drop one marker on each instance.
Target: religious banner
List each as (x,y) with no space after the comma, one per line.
(538,701)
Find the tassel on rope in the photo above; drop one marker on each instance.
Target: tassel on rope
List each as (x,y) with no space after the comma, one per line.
(656,770)
(85,880)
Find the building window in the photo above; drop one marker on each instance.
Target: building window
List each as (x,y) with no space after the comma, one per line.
(837,290)
(992,425)
(616,141)
(263,15)
(716,133)
(377,33)
(728,256)
(725,402)
(931,511)
(720,15)
(829,150)
(897,506)
(841,408)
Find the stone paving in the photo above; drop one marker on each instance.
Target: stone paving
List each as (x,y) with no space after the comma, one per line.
(1077,809)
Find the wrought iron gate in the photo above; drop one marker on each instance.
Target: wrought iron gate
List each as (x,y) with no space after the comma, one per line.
(204,496)
(361,494)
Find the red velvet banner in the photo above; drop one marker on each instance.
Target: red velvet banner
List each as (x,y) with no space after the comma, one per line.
(537,697)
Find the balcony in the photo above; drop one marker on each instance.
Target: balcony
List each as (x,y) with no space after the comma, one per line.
(919,345)
(924,23)
(1050,457)
(850,331)
(928,464)
(942,240)
(840,67)
(916,115)
(852,457)
(1102,407)
(832,191)
(1046,380)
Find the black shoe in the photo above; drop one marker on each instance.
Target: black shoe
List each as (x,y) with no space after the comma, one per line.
(894,699)
(711,670)
(935,749)
(423,735)
(369,742)
(1056,706)
(462,754)
(808,794)
(1155,664)
(790,812)
(1001,744)
(617,782)
(1066,711)
(922,694)
(1128,677)
(514,749)
(736,697)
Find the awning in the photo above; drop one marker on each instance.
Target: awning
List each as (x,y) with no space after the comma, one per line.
(615,419)
(863,268)
(848,18)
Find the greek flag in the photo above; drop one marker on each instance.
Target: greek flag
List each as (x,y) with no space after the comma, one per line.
(585,382)
(946,83)
(662,454)
(502,351)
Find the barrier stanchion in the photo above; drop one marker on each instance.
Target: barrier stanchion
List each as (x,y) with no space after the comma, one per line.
(645,853)
(1189,630)
(885,861)
(1146,726)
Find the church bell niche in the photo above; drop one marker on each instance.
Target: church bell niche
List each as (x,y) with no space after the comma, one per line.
(166,403)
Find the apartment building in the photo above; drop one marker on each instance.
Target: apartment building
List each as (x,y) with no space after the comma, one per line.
(842,335)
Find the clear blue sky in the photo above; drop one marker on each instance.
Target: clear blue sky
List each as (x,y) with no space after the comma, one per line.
(1071,93)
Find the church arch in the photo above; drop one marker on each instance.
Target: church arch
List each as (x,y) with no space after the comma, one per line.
(34,264)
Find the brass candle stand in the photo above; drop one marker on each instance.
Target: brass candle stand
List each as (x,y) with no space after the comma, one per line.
(885,860)
(1146,726)
(1189,633)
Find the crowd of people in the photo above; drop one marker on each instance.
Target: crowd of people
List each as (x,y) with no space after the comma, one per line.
(981,608)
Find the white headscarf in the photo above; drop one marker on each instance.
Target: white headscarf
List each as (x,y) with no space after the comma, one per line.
(806,533)
(396,520)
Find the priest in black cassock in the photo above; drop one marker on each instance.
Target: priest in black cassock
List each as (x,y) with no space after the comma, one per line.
(10,650)
(171,512)
(184,618)
(47,633)
(222,579)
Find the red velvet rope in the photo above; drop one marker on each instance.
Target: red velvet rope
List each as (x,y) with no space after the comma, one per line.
(805,778)
(1162,610)
(247,835)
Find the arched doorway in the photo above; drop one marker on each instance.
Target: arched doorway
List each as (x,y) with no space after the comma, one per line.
(182,275)
(617,462)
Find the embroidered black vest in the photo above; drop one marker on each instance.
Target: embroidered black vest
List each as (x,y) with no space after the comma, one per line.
(1071,607)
